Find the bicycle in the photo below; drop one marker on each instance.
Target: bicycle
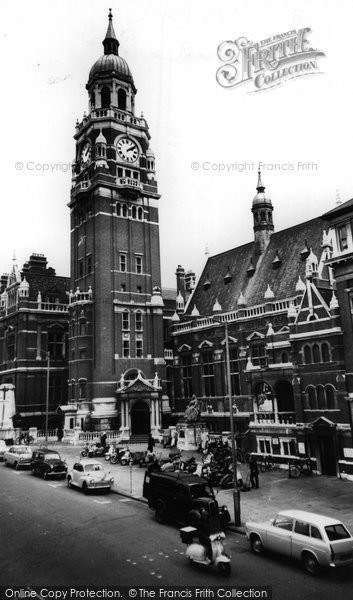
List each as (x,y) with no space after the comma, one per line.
(301,466)
(24,438)
(267,464)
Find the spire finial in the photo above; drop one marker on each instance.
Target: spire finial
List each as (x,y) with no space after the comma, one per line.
(110,43)
(260,186)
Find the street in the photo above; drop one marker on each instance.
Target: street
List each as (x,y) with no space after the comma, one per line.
(57,536)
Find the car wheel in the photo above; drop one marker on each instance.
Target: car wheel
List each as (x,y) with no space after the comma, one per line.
(310,563)
(6,463)
(33,471)
(45,474)
(256,544)
(16,466)
(84,488)
(160,512)
(69,483)
(224,568)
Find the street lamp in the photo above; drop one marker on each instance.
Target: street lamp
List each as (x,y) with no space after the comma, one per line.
(236,491)
(47,399)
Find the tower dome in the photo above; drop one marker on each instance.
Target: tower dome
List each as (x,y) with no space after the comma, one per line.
(261,199)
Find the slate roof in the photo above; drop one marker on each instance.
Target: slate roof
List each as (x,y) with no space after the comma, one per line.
(289,243)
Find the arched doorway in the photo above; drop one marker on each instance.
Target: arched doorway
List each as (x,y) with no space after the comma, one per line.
(140,418)
(285,396)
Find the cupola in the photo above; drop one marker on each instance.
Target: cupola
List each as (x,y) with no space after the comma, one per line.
(262,210)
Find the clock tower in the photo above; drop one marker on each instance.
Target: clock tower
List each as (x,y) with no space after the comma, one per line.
(116,364)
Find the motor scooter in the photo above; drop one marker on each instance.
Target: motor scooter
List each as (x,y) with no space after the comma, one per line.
(196,551)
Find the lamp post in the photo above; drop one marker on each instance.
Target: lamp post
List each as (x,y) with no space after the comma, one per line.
(236,491)
(47,399)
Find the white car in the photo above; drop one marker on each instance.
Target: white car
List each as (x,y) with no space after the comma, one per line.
(3,449)
(89,474)
(18,456)
(316,540)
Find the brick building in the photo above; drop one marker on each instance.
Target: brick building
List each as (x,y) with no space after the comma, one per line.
(290,346)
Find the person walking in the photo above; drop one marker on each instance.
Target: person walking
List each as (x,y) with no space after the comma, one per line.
(254,472)
(151,443)
(104,439)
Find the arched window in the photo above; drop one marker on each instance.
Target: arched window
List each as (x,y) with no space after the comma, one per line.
(118,209)
(134,212)
(330,396)
(93,100)
(316,353)
(284,357)
(105,97)
(140,213)
(269,217)
(124,210)
(263,216)
(321,398)
(311,397)
(121,99)
(325,352)
(138,320)
(307,355)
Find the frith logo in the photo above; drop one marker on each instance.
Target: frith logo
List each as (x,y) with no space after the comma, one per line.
(269,62)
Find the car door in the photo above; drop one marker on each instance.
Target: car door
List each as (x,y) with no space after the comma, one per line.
(76,473)
(279,535)
(181,501)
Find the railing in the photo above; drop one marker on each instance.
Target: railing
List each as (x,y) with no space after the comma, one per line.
(110,113)
(274,418)
(52,306)
(80,297)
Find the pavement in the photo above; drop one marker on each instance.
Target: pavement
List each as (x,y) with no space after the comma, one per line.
(329,496)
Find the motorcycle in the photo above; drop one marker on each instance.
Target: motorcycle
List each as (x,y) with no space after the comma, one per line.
(117,455)
(197,552)
(110,452)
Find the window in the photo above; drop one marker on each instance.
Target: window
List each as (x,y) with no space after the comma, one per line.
(284,358)
(336,532)
(315,533)
(82,327)
(234,370)
(89,263)
(140,213)
(138,264)
(264,445)
(325,351)
(120,172)
(105,97)
(208,374)
(124,210)
(283,522)
(288,447)
(316,353)
(127,173)
(138,347)
(307,355)
(342,237)
(311,397)
(134,212)
(138,320)
(123,287)
(186,376)
(10,341)
(121,99)
(126,346)
(301,527)
(258,355)
(83,354)
(80,269)
(139,289)
(126,320)
(118,207)
(56,344)
(122,260)
(321,398)
(330,397)
(82,389)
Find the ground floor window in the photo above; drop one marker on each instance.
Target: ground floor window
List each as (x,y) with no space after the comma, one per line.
(264,445)
(288,446)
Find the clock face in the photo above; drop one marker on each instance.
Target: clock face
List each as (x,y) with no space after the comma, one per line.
(86,154)
(127,150)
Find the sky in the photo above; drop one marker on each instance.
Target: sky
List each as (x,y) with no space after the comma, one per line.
(208,139)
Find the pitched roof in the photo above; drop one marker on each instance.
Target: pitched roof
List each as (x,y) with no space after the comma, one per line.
(287,244)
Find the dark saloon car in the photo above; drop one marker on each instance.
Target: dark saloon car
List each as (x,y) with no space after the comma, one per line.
(48,463)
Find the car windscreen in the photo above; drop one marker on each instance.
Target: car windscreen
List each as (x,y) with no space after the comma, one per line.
(200,491)
(93,467)
(23,450)
(51,456)
(337,532)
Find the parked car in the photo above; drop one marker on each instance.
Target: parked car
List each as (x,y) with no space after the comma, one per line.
(89,474)
(18,456)
(316,540)
(48,463)
(181,496)
(3,449)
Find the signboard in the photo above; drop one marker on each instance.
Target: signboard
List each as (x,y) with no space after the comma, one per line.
(348,452)
(301,447)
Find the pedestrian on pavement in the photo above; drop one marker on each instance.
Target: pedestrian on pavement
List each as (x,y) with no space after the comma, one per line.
(151,443)
(60,434)
(173,435)
(254,472)
(104,439)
